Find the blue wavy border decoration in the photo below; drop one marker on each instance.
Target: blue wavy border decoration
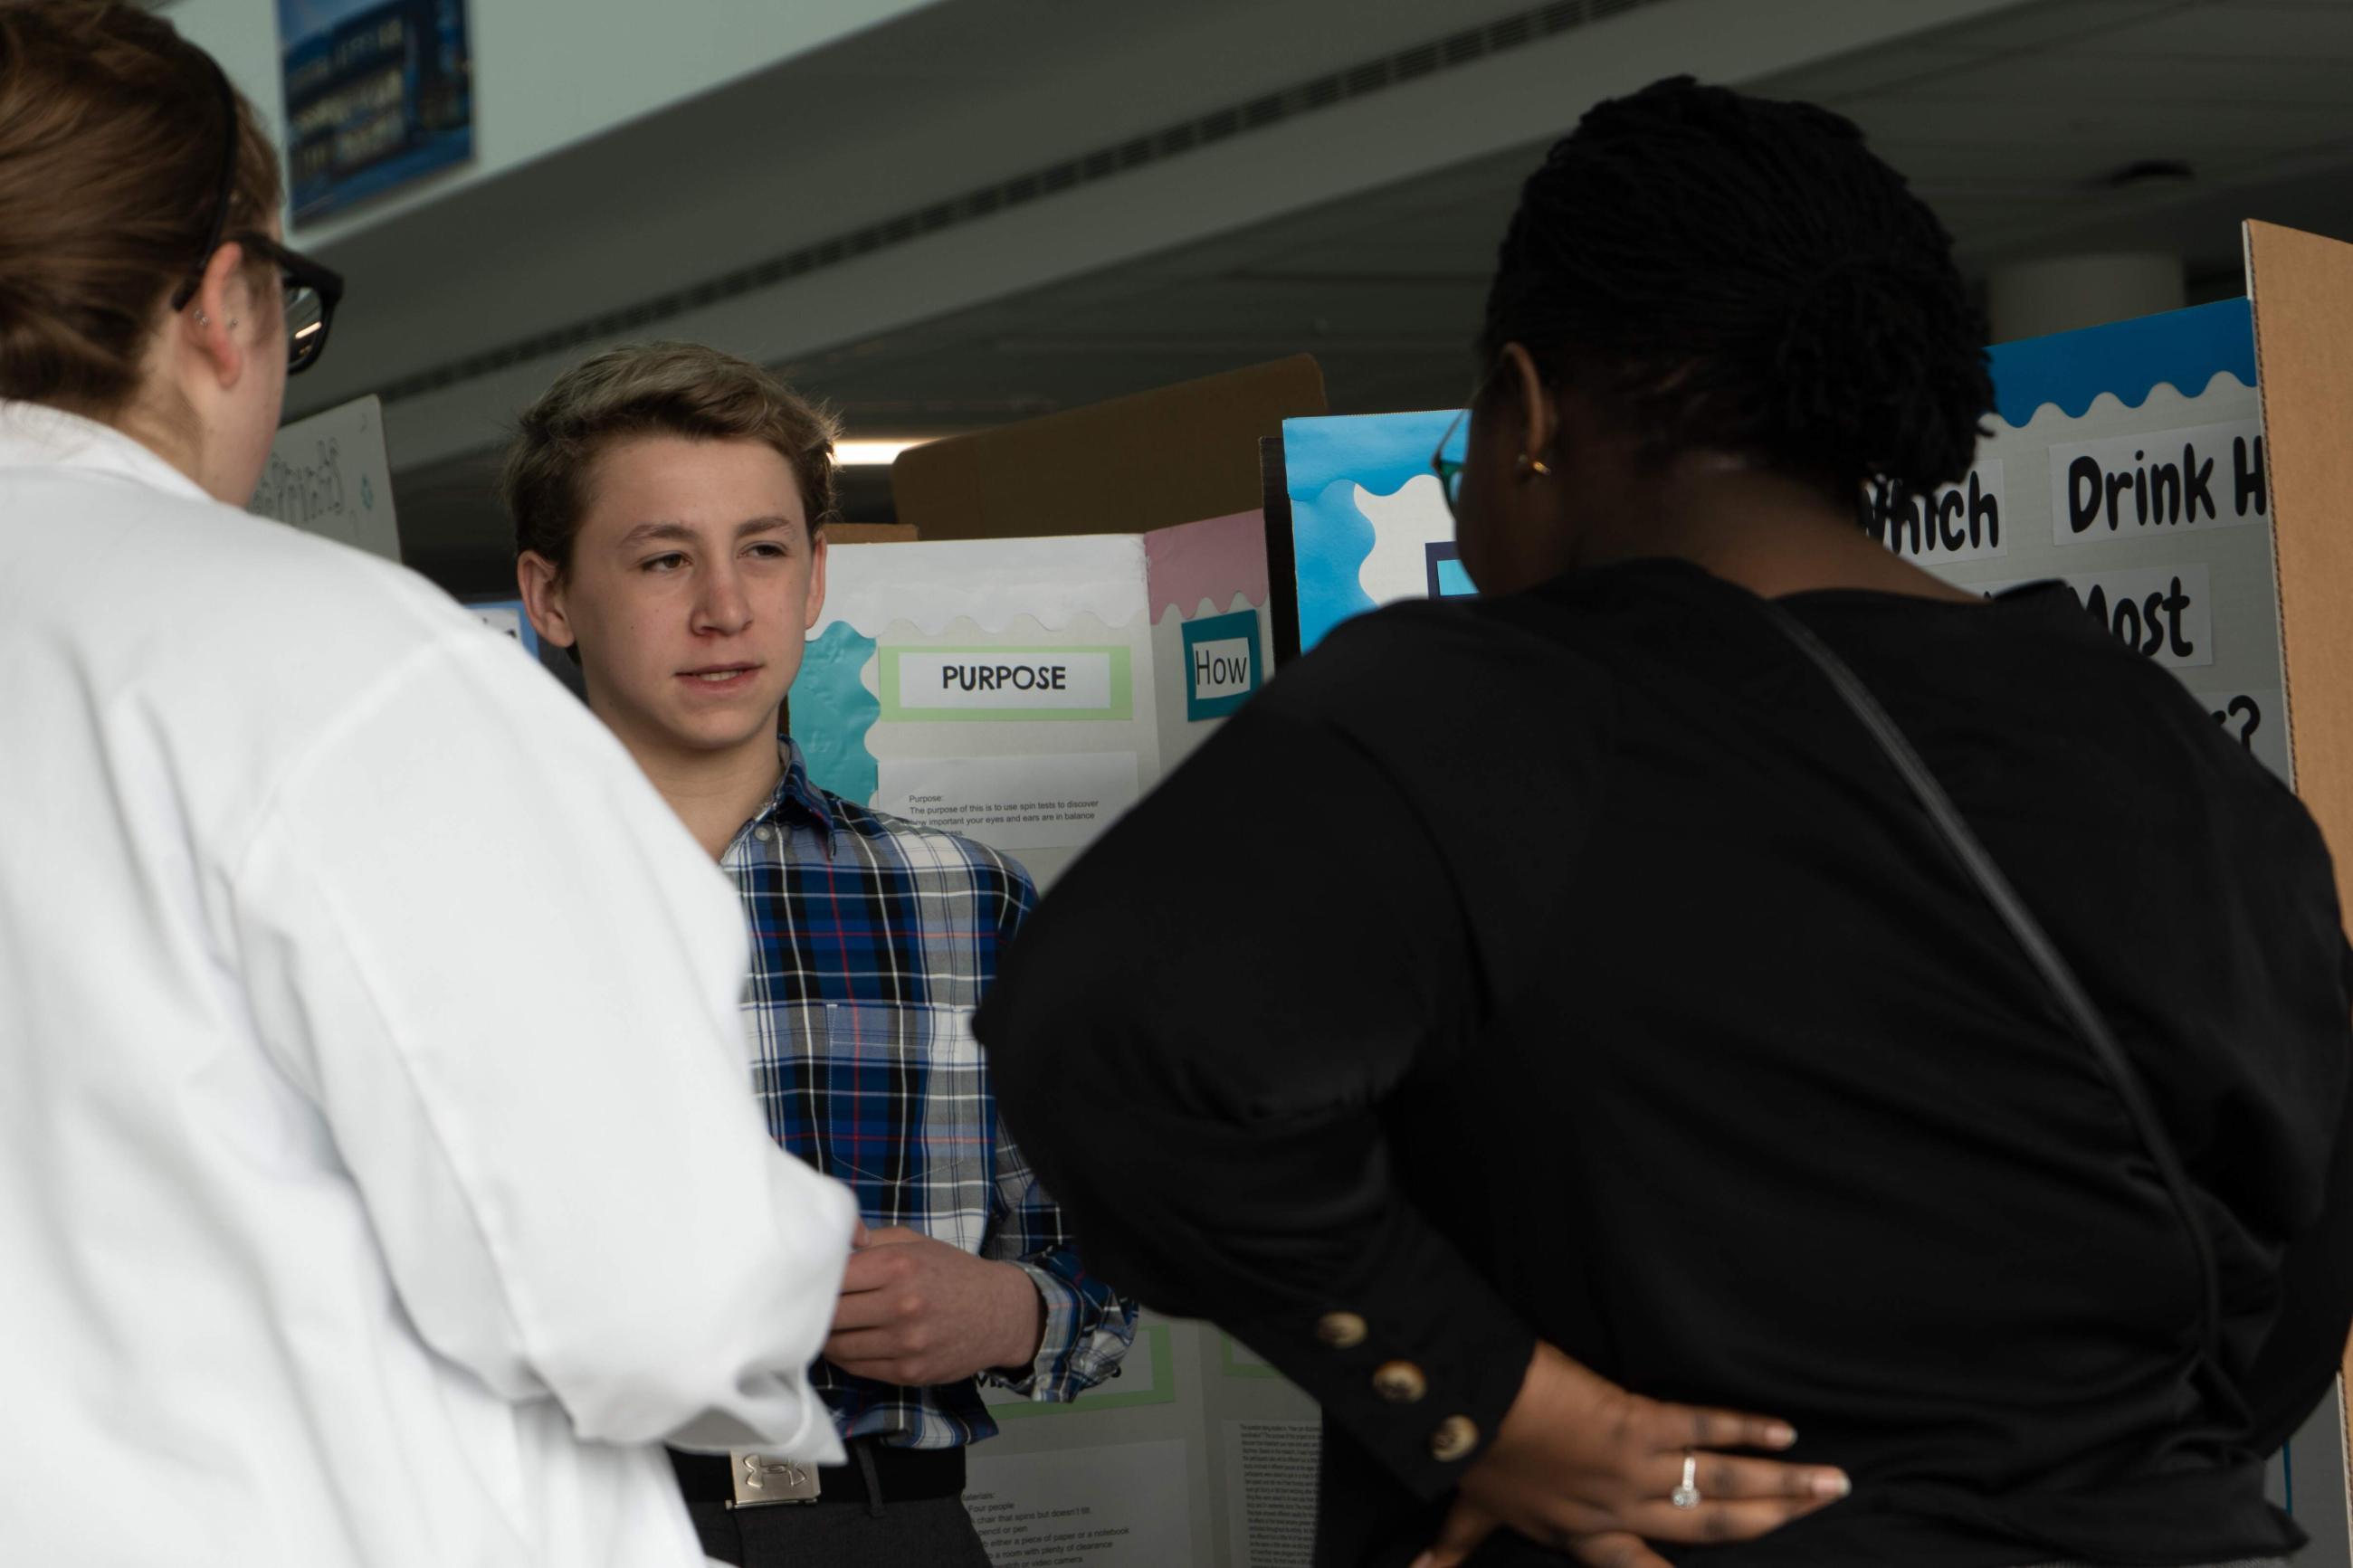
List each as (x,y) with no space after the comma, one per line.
(1323,461)
(2181,348)
(833,711)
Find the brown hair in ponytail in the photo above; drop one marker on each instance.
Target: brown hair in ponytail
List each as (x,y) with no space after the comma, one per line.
(110,149)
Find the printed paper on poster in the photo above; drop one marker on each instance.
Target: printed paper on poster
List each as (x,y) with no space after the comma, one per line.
(1043,801)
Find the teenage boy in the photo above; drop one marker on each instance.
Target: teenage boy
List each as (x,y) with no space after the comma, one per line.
(669,503)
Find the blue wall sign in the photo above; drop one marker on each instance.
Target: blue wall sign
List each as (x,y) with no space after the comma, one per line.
(378,93)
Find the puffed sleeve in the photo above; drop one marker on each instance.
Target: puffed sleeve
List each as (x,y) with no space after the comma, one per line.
(1196,1040)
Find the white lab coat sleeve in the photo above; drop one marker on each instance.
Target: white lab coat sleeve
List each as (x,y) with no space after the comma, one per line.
(485,948)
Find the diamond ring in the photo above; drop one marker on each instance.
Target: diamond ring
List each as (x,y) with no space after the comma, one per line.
(1687,1494)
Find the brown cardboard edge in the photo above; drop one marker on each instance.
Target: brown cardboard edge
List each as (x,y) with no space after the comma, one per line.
(871,534)
(1282,550)
(1148,460)
(2301,288)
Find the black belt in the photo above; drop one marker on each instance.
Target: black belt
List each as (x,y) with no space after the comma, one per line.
(901,1475)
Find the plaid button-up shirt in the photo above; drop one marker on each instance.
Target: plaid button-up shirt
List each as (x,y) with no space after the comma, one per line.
(873,943)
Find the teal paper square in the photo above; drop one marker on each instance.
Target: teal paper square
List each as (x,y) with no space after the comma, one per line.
(1241,626)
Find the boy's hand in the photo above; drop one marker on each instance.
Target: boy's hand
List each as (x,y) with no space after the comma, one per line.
(916,1312)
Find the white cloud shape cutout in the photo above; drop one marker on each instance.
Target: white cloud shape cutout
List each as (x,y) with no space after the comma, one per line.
(1403,524)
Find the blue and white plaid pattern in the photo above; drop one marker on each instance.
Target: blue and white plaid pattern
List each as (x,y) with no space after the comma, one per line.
(873,943)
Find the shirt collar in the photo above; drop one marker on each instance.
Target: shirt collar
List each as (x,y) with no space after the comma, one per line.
(35,436)
(795,796)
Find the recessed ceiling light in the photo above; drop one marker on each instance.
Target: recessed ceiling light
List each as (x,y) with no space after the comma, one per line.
(874,454)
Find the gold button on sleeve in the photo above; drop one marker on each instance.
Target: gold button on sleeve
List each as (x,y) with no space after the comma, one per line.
(1399,1382)
(1453,1439)
(1341,1330)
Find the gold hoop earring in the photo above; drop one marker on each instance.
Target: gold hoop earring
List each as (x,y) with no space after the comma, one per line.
(1532,466)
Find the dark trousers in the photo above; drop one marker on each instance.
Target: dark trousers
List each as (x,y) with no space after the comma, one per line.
(859,1523)
(922,1534)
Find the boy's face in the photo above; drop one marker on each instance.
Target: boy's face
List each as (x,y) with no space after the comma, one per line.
(693,585)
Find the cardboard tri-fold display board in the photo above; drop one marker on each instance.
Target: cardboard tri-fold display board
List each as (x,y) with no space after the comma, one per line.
(1089,597)
(2301,288)
(1088,601)
(1131,465)
(330,474)
(2128,462)
(1369,523)
(1026,692)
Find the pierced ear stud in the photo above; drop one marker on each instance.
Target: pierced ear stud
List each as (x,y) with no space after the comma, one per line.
(202,320)
(1534,465)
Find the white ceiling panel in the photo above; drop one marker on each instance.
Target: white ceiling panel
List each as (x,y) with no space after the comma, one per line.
(2152,128)
(1882,70)
(2053,22)
(2177,83)
(2238,32)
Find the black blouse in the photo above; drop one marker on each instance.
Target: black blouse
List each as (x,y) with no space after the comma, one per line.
(1572,966)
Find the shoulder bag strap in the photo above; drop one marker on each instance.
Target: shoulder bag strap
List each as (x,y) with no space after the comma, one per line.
(2029,933)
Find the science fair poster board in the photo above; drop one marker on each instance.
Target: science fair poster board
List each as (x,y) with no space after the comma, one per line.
(2152,503)
(1369,526)
(2184,474)
(330,474)
(1026,692)
(2127,462)
(2301,288)
(1199,1455)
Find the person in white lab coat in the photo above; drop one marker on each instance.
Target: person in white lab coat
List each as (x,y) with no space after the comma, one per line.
(378,1180)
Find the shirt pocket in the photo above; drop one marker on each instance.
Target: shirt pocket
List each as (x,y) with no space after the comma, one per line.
(889,1098)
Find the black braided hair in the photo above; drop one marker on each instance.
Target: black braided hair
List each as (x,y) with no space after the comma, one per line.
(1720,271)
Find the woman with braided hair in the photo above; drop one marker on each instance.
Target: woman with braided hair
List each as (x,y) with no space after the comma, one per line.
(1723,963)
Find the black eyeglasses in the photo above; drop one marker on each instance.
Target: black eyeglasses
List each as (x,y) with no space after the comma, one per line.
(1450,459)
(1453,454)
(312,291)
